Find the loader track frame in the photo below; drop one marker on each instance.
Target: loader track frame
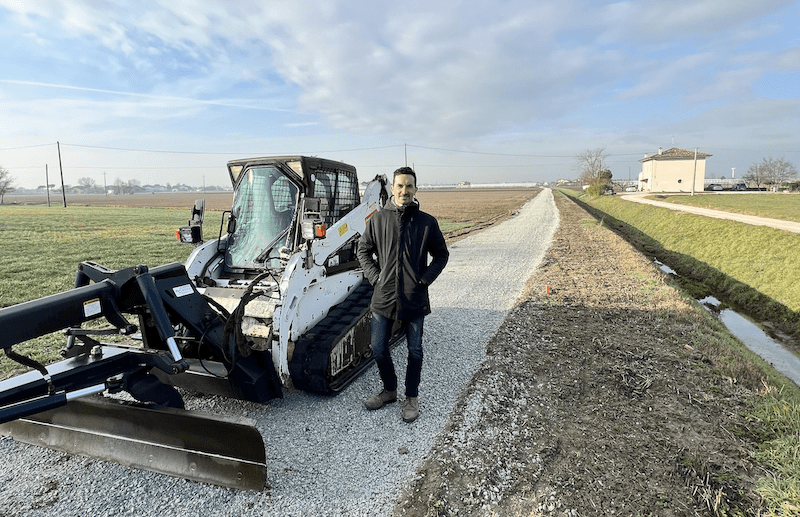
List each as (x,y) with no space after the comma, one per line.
(311,362)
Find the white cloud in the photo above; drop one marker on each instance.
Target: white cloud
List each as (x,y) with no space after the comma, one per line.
(453,73)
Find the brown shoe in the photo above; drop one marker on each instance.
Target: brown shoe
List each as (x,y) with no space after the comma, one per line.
(410,409)
(377,401)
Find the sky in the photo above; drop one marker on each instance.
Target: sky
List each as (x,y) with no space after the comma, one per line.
(481,91)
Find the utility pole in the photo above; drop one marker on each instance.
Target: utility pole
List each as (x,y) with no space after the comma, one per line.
(61,168)
(47,183)
(105,188)
(405,153)
(694,177)
(733,172)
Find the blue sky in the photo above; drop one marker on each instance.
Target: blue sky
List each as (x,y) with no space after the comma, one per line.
(479,91)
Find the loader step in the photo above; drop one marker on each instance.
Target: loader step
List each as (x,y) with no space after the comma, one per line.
(224,451)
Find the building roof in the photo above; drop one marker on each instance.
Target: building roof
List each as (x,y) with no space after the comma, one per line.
(674,154)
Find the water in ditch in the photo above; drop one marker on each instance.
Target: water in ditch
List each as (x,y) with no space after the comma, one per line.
(751,335)
(757,340)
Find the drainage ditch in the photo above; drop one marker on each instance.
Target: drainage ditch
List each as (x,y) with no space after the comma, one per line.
(750,333)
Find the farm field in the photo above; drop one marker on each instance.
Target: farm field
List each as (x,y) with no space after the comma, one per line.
(453,207)
(762,204)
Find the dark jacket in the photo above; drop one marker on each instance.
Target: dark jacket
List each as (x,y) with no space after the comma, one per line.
(394,255)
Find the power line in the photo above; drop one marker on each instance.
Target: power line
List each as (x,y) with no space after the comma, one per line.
(224,153)
(24,147)
(333,151)
(508,154)
(118,168)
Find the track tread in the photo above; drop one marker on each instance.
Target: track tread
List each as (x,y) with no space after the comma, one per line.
(309,364)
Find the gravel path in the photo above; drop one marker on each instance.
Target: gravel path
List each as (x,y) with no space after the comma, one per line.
(780,224)
(325,455)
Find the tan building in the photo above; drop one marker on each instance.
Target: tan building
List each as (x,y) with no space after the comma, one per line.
(672,171)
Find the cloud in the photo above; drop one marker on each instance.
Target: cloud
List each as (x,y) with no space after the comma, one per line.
(162,101)
(447,73)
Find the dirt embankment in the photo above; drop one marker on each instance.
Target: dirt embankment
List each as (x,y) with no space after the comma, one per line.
(596,398)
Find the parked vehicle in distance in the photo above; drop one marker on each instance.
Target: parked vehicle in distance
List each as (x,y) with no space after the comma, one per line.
(739,186)
(714,186)
(630,189)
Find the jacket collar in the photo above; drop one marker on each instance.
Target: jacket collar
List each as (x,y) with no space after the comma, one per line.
(410,209)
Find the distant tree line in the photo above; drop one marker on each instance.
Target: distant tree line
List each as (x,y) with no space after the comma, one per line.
(771,172)
(87,185)
(6,183)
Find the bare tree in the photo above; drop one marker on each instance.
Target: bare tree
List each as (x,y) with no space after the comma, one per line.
(119,186)
(771,171)
(87,182)
(592,170)
(6,183)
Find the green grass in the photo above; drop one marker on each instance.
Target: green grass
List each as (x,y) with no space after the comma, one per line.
(778,415)
(762,258)
(448,226)
(42,247)
(767,204)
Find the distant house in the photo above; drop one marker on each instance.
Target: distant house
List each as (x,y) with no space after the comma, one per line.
(672,171)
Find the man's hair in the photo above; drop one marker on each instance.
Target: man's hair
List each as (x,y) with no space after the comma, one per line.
(405,170)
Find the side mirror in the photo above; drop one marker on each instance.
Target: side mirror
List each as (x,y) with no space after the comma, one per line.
(198,212)
(193,234)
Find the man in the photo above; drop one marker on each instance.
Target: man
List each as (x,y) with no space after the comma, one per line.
(394,255)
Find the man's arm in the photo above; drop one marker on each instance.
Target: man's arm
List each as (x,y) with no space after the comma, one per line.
(439,253)
(364,253)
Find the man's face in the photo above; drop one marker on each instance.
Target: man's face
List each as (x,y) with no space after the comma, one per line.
(403,189)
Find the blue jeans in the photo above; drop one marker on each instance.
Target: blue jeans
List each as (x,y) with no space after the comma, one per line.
(381,329)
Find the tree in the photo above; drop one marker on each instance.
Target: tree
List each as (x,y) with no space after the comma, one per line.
(771,172)
(6,183)
(87,182)
(119,187)
(592,170)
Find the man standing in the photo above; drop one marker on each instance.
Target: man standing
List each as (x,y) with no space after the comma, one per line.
(394,255)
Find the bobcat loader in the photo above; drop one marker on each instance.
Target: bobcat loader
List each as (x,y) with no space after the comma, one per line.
(276,301)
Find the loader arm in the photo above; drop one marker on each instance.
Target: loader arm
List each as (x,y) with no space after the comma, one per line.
(164,299)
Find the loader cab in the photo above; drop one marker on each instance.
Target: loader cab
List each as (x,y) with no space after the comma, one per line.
(271,199)
(264,205)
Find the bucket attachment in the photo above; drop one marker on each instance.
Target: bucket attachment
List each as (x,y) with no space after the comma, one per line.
(225,451)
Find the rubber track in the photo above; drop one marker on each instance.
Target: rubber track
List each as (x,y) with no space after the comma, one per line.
(309,364)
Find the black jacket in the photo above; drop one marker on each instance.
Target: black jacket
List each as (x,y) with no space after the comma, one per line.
(394,255)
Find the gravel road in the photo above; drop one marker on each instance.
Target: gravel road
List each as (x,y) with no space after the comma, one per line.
(780,224)
(325,455)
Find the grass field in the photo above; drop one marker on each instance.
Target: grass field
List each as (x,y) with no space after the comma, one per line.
(763,258)
(762,204)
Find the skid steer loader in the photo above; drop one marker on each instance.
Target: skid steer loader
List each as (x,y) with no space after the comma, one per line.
(276,300)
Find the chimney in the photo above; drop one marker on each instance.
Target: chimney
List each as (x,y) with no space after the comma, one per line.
(659,150)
